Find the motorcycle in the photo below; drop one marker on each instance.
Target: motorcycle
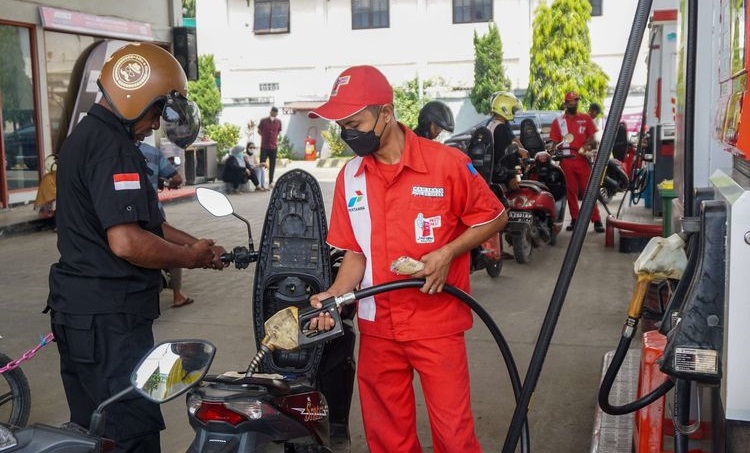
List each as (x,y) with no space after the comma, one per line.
(489,254)
(15,395)
(534,215)
(162,375)
(245,411)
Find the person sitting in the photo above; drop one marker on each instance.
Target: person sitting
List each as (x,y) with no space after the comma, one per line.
(236,172)
(251,159)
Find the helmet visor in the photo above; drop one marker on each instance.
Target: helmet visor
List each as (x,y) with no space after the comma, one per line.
(181,119)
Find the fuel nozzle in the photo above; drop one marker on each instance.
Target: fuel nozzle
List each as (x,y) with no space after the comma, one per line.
(282,332)
(661,259)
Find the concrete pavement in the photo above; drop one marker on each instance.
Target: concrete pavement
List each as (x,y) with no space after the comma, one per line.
(562,410)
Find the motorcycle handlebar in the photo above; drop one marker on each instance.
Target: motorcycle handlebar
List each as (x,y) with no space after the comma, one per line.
(241,256)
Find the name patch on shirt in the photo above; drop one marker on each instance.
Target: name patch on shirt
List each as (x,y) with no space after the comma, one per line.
(435,192)
(127,181)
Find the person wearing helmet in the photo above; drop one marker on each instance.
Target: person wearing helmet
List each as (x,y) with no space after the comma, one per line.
(579,132)
(504,106)
(434,118)
(112,238)
(405,196)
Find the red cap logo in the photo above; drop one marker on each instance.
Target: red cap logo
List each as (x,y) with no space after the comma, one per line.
(354,89)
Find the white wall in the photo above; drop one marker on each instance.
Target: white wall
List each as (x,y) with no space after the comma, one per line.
(421,39)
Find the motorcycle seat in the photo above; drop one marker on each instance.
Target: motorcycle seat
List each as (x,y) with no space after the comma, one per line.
(534,185)
(274,385)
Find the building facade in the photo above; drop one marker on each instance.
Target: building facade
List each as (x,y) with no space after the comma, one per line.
(40,42)
(287,53)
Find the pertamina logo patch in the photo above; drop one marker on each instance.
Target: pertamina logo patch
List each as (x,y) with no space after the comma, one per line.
(127,181)
(131,72)
(355,202)
(343,80)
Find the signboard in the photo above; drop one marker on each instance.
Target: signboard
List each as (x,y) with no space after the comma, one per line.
(89,24)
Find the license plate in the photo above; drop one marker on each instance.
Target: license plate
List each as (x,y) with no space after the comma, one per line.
(520,215)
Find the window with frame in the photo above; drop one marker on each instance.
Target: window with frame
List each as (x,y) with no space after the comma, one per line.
(271,16)
(596,7)
(467,11)
(370,14)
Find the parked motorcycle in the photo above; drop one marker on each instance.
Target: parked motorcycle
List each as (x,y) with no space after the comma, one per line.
(162,375)
(488,255)
(532,217)
(244,411)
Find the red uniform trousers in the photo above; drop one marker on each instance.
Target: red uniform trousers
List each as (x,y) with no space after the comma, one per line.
(577,173)
(385,374)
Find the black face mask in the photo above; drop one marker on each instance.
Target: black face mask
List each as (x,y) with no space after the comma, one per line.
(362,143)
(572,110)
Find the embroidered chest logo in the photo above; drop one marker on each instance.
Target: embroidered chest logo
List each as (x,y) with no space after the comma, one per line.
(436,192)
(131,72)
(424,228)
(355,203)
(344,80)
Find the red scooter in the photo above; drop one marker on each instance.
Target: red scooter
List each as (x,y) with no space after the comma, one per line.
(535,216)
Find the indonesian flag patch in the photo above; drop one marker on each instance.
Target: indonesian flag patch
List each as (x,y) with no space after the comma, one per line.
(127,181)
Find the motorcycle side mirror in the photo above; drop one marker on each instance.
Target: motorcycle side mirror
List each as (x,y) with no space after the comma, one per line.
(167,371)
(219,205)
(568,138)
(214,202)
(172,368)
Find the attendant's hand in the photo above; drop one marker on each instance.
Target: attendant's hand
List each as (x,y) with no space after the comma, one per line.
(324,321)
(435,272)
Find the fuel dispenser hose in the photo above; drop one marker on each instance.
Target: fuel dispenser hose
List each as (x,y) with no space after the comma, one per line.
(510,363)
(627,336)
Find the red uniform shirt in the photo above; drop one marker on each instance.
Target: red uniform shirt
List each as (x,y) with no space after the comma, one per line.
(435,196)
(580,125)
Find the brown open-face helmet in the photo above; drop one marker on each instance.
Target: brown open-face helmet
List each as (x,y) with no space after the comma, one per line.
(140,75)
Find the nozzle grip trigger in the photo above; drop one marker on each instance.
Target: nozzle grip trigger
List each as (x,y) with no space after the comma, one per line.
(307,336)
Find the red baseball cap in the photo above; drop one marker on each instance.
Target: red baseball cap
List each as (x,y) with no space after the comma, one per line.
(355,89)
(571,96)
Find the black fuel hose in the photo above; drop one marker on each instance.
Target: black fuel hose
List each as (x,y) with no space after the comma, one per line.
(609,378)
(515,379)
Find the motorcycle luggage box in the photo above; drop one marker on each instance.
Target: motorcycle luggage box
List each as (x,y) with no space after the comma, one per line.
(293,264)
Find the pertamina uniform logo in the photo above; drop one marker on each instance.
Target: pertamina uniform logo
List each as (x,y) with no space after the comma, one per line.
(340,81)
(127,181)
(131,72)
(355,202)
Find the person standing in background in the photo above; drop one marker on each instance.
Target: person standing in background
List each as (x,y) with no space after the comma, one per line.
(269,128)
(160,167)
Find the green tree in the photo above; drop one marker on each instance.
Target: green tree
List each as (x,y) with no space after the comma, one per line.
(188,8)
(226,136)
(332,137)
(204,91)
(561,57)
(406,101)
(489,71)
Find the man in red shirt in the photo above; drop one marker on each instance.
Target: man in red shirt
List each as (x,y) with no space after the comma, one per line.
(577,169)
(405,196)
(269,128)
